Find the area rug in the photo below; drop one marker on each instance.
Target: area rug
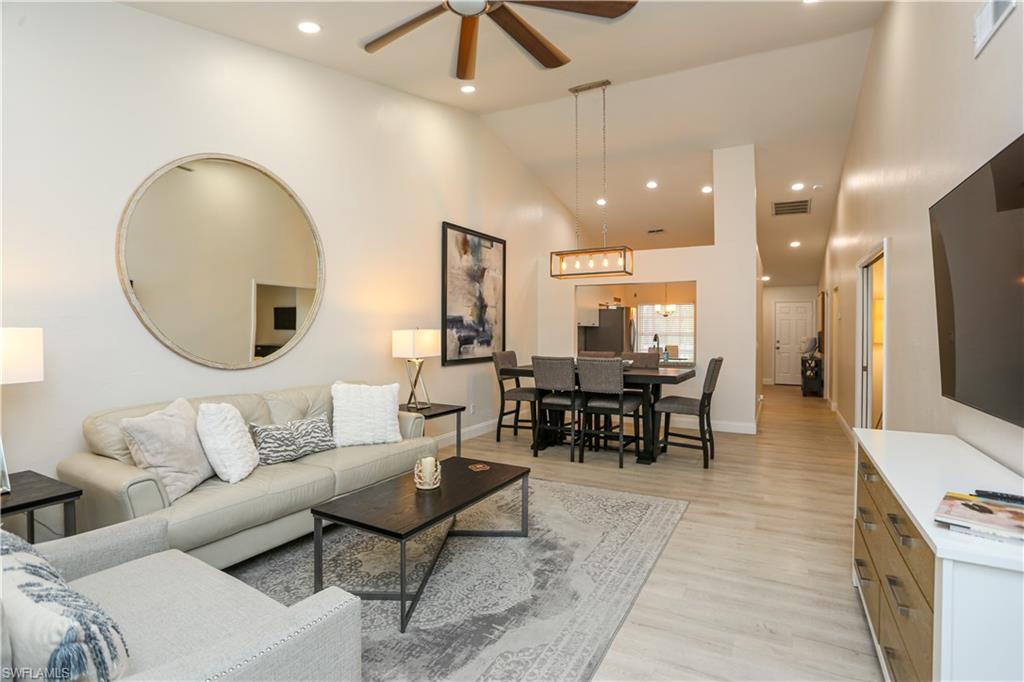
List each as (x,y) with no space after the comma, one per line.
(544,607)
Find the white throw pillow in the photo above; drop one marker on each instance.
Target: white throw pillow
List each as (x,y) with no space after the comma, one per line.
(226,440)
(166,443)
(49,629)
(364,415)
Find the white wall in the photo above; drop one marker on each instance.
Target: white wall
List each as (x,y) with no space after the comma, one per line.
(726,281)
(771,296)
(98,96)
(929,115)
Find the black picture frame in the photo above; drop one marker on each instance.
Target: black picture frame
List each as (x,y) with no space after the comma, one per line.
(447,231)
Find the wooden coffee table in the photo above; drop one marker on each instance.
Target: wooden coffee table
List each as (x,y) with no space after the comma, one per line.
(396,509)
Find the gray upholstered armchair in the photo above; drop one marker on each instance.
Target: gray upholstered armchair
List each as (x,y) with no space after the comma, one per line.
(185,620)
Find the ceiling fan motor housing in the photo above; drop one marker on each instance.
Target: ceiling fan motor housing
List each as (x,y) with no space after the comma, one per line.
(468,8)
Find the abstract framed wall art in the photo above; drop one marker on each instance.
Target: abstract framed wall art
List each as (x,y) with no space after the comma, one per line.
(472,295)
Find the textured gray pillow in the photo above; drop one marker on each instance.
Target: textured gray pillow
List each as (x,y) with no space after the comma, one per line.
(278,443)
(312,435)
(166,443)
(275,443)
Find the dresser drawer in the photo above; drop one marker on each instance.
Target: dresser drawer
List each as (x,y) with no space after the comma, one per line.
(869,524)
(867,577)
(894,653)
(915,551)
(908,607)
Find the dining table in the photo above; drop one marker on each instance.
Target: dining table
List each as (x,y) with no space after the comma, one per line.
(650,381)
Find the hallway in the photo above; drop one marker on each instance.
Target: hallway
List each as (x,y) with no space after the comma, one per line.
(755,583)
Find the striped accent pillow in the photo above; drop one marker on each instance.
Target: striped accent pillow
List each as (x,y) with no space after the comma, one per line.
(275,443)
(312,435)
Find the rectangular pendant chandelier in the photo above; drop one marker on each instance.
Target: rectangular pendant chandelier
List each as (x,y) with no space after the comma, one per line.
(601,261)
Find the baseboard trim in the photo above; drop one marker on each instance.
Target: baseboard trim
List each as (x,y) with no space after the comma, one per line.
(690,422)
(446,439)
(846,427)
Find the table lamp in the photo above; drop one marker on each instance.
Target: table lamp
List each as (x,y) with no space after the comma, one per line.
(21,362)
(414,346)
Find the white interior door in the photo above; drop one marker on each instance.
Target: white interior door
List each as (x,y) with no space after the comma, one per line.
(793,323)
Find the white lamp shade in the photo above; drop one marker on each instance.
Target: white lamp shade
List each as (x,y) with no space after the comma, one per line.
(21,355)
(410,344)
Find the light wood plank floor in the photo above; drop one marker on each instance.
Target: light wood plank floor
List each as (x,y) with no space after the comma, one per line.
(755,582)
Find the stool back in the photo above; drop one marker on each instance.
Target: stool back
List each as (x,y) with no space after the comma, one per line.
(554,374)
(595,354)
(711,378)
(601,375)
(643,360)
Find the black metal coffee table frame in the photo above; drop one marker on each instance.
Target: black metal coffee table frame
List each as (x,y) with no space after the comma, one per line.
(403,596)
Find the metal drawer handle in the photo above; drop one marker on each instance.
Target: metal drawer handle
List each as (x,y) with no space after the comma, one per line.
(860,563)
(861,514)
(867,473)
(893,582)
(905,540)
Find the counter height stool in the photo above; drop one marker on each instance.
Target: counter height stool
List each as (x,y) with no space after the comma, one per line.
(555,379)
(697,407)
(517,394)
(602,384)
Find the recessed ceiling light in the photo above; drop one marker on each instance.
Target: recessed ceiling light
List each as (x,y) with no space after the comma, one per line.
(797,186)
(468,89)
(309,27)
(652,184)
(794,244)
(706,189)
(765,278)
(817,186)
(810,2)
(601,202)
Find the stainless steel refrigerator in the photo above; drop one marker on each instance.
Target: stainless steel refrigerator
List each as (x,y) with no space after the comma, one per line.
(615,332)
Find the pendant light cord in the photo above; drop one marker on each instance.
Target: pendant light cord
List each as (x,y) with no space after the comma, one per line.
(604,163)
(576,113)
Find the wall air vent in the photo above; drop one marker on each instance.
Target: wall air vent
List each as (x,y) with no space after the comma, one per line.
(791,207)
(656,230)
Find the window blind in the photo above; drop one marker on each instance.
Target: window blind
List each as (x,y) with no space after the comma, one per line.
(678,329)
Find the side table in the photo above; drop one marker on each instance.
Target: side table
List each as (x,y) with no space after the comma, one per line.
(31,491)
(435,410)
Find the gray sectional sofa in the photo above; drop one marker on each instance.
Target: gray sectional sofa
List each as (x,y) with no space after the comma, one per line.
(223,523)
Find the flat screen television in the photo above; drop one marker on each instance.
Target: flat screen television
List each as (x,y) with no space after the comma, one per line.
(978,257)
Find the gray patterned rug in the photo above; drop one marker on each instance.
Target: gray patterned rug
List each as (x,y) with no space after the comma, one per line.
(544,607)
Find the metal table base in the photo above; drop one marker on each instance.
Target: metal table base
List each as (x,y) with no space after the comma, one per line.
(403,596)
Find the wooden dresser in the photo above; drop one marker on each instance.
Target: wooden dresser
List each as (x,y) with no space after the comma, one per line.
(941,604)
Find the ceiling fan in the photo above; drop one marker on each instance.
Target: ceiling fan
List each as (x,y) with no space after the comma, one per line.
(532,41)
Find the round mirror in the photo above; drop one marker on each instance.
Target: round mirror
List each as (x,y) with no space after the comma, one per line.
(220,261)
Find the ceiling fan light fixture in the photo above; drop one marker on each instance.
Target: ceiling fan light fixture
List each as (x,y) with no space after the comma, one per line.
(467,89)
(468,8)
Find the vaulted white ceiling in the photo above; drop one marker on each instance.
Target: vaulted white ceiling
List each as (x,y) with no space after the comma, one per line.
(688,77)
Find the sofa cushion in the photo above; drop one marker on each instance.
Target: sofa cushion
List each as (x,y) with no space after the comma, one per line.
(216,509)
(169,604)
(307,402)
(358,466)
(102,430)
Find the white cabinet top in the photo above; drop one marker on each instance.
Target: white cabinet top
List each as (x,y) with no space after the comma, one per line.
(921,468)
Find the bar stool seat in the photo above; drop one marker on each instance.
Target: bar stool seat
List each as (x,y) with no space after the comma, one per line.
(524,393)
(677,404)
(565,400)
(630,403)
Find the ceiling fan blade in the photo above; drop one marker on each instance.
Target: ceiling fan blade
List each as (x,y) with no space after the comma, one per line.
(533,42)
(466,69)
(610,9)
(399,31)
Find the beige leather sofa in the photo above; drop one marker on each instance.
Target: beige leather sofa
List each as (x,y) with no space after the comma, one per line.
(223,523)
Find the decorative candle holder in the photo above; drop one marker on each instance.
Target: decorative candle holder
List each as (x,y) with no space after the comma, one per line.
(427,480)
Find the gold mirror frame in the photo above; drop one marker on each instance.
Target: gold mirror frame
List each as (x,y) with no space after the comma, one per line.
(140,312)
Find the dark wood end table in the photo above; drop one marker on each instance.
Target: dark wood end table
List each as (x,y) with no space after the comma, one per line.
(435,410)
(31,491)
(395,509)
